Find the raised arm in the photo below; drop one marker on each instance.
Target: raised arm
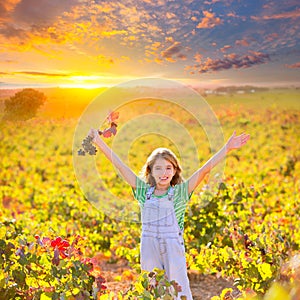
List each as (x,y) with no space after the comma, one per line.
(125,171)
(234,142)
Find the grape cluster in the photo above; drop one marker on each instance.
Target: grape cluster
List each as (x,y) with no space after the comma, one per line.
(88,147)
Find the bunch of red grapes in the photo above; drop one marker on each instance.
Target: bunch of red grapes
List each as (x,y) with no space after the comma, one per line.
(87,143)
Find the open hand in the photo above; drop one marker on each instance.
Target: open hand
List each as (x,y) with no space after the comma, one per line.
(236,142)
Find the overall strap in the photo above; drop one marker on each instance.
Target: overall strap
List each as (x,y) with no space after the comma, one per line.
(171,193)
(152,188)
(150,192)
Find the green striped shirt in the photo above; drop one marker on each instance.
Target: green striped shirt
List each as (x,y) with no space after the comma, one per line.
(181,197)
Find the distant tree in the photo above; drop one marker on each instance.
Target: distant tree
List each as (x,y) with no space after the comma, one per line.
(23,105)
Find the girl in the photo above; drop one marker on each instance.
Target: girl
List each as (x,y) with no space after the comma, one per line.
(163,195)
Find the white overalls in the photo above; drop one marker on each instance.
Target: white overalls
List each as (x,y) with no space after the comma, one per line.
(162,243)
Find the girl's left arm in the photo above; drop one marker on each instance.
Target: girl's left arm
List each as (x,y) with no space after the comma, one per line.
(234,142)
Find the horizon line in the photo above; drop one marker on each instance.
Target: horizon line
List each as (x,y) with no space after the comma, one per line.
(197,86)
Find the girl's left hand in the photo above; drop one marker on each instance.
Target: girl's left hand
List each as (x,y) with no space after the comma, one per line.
(236,142)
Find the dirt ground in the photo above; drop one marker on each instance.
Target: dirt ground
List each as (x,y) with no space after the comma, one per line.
(119,276)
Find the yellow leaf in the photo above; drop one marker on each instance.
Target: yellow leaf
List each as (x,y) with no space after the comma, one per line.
(139,287)
(45,297)
(265,271)
(75,291)
(2,232)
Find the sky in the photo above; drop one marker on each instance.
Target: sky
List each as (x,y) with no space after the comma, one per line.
(90,43)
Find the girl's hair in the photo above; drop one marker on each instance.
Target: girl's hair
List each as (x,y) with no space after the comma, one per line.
(166,154)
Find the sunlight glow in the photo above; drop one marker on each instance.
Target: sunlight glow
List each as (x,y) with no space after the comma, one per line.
(94,81)
(89,81)
(81,86)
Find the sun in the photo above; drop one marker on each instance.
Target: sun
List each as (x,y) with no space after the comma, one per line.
(84,82)
(80,86)
(92,81)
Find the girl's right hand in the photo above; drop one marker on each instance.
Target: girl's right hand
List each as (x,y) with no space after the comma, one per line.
(93,133)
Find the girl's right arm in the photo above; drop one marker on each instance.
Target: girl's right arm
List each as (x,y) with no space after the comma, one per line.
(125,171)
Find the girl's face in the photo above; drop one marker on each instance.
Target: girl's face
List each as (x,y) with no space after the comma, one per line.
(162,172)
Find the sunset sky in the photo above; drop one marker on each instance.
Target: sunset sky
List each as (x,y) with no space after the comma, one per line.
(85,43)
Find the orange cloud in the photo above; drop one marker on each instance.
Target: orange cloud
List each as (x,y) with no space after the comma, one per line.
(198,57)
(170,15)
(285,15)
(242,42)
(51,26)
(171,54)
(231,61)
(153,49)
(10,31)
(155,3)
(156,45)
(33,73)
(105,60)
(113,32)
(294,66)
(6,7)
(38,74)
(41,12)
(211,2)
(271,37)
(232,56)
(225,48)
(130,13)
(209,20)
(232,15)
(182,56)
(158,60)
(175,48)
(169,39)
(172,50)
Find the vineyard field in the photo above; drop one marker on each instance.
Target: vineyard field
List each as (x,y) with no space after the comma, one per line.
(54,242)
